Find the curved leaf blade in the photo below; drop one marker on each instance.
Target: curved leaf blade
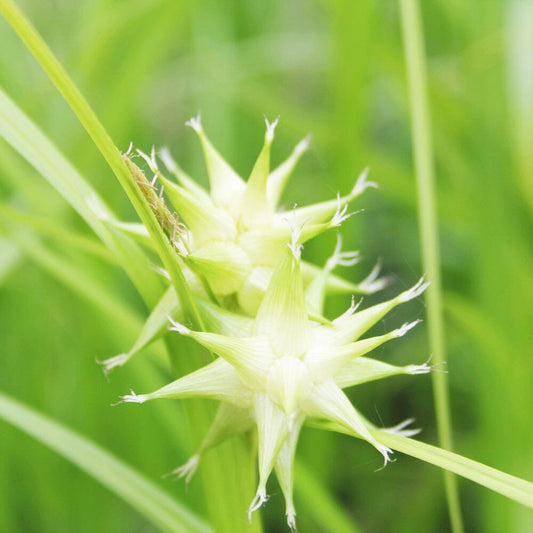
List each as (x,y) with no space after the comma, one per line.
(117,476)
(515,488)
(34,146)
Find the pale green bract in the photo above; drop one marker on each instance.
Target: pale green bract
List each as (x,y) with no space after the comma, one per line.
(288,363)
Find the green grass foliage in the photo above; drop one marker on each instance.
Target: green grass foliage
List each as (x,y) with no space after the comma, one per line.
(74,290)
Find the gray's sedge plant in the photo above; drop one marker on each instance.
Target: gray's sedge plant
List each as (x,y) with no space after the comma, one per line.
(239,288)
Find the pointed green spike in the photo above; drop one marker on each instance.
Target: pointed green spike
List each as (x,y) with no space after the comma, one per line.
(322,211)
(254,208)
(315,293)
(216,319)
(224,265)
(337,285)
(230,420)
(226,184)
(216,381)
(285,471)
(272,430)
(183,178)
(219,320)
(278,178)
(329,402)
(364,369)
(265,246)
(250,356)
(401,429)
(328,362)
(155,325)
(351,325)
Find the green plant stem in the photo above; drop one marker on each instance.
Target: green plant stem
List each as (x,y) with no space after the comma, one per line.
(423,155)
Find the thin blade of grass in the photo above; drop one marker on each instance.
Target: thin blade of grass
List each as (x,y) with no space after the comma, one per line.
(76,277)
(145,497)
(515,488)
(47,227)
(26,138)
(423,155)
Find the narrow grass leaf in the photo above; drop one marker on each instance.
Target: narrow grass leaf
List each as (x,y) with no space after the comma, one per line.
(103,142)
(515,488)
(68,238)
(423,155)
(27,139)
(145,497)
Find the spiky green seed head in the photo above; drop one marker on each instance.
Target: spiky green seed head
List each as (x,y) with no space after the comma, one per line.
(279,362)
(236,233)
(288,368)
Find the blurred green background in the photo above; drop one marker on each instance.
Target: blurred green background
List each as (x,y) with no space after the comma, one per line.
(335,69)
